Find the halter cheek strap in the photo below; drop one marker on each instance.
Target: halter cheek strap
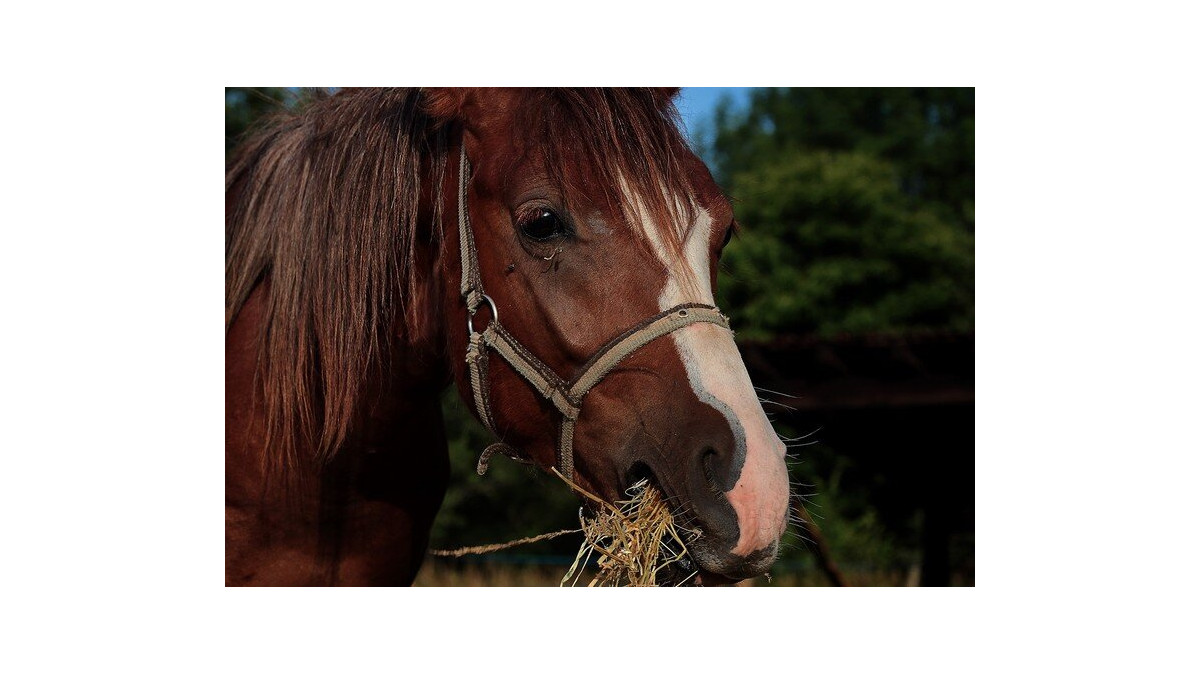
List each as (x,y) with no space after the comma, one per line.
(566,396)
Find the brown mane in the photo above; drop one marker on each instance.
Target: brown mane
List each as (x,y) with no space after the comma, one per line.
(323,209)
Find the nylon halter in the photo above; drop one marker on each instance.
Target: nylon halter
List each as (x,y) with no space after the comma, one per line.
(566,396)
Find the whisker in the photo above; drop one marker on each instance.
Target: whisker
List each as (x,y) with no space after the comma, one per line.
(785,439)
(777,393)
(781,405)
(797,521)
(806,539)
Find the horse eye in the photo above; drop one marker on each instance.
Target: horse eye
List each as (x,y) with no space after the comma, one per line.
(542,224)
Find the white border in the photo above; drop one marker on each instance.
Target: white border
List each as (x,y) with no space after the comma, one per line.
(112,273)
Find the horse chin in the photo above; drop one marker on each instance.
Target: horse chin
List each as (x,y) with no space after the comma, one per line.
(701,568)
(724,568)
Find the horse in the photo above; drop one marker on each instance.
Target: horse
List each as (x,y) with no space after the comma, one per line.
(551,252)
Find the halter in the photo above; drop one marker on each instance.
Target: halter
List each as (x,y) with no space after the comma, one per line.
(566,396)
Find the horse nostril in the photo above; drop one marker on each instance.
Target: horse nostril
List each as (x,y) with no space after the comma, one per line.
(708,459)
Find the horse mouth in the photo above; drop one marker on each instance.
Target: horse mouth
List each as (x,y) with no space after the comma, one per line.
(679,568)
(706,560)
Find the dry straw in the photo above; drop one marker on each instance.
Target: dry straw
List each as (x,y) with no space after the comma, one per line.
(636,542)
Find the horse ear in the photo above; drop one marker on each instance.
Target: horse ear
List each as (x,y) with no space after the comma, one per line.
(444,103)
(664,94)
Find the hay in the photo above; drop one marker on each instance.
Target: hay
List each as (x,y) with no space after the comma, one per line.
(636,541)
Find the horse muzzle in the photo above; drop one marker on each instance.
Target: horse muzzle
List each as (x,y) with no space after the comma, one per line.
(738,519)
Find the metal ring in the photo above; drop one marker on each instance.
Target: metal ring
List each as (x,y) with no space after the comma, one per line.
(470,315)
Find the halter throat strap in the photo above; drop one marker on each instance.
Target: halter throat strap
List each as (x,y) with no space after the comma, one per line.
(566,396)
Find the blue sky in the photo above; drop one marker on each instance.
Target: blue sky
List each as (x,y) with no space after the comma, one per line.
(698,103)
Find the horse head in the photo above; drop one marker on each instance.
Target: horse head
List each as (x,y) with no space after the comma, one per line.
(584,220)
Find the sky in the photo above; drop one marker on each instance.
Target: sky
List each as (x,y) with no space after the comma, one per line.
(698,103)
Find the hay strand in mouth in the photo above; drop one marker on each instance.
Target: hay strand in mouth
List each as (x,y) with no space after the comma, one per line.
(634,540)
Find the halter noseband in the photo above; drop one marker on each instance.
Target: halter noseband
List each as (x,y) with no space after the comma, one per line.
(566,396)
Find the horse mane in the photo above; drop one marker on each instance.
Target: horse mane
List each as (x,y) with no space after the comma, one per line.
(323,209)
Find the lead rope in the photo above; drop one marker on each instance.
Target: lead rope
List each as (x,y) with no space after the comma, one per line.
(567,397)
(492,548)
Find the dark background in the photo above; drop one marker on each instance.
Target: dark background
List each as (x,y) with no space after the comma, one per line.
(851,288)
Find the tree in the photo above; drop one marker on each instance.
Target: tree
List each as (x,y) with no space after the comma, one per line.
(858,202)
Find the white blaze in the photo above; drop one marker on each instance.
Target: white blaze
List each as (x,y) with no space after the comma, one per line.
(719,378)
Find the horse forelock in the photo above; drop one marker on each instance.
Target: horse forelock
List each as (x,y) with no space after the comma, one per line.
(631,142)
(324,204)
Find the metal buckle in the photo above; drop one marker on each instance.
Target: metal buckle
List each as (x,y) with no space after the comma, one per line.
(471,314)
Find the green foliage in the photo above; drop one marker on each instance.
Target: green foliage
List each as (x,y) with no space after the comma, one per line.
(857,208)
(927,134)
(858,216)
